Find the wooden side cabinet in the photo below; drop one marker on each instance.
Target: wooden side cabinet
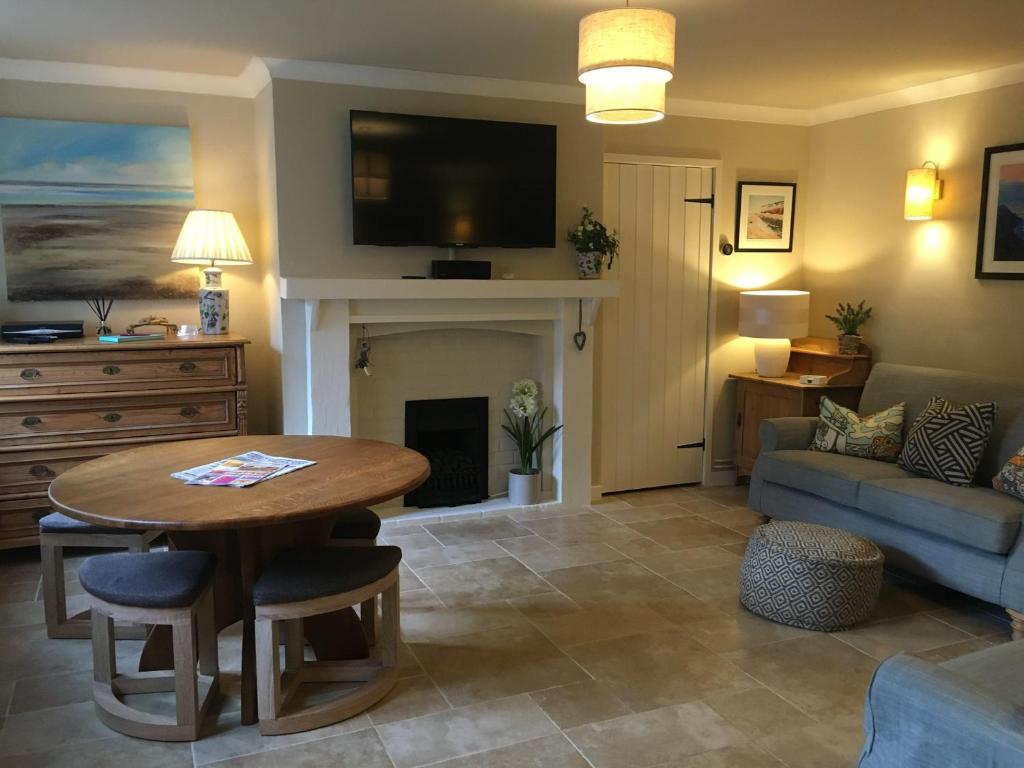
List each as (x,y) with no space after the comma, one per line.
(759,398)
(65,403)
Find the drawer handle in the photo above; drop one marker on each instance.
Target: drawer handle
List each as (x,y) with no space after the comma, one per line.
(41,470)
(111,370)
(112,418)
(187,367)
(30,373)
(189,411)
(31,421)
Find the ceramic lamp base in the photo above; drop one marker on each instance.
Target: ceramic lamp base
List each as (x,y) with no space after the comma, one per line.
(771,357)
(213,310)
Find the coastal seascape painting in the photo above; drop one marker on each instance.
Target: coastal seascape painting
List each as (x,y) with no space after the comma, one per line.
(1001,226)
(764,216)
(93,209)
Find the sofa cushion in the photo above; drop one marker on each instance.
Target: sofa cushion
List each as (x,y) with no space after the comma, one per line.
(875,436)
(947,440)
(978,517)
(1010,478)
(830,475)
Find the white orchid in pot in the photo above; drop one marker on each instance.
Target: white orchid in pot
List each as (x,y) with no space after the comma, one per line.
(526,428)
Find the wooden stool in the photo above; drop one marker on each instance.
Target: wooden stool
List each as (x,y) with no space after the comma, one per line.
(172,588)
(359,528)
(308,582)
(57,531)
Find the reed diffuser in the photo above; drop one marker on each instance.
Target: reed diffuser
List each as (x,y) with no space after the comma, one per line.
(101,308)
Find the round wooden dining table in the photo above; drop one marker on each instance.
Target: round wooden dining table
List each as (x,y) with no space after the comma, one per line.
(244,527)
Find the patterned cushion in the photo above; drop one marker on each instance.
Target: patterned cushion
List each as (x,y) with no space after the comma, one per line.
(810,576)
(947,440)
(1011,477)
(878,436)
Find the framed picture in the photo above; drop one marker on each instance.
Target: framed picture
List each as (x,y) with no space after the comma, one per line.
(93,210)
(764,215)
(1001,226)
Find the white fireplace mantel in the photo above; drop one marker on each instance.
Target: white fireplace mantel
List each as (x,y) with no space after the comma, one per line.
(318,315)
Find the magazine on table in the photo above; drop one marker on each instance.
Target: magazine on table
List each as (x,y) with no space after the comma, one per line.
(240,471)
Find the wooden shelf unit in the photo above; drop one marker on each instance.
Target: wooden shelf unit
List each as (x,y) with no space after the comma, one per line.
(65,403)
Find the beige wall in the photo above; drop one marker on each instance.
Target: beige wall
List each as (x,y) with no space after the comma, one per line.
(747,152)
(918,276)
(225,174)
(314,180)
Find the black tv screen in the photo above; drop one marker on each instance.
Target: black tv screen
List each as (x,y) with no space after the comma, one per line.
(449,182)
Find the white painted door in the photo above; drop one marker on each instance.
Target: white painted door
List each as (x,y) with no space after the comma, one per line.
(652,353)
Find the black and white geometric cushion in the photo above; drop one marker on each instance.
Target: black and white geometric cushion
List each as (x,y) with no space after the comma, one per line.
(810,576)
(947,440)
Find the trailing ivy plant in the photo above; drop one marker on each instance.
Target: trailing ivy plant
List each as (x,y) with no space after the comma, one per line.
(848,318)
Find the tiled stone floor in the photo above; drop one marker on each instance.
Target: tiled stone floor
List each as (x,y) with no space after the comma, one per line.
(607,636)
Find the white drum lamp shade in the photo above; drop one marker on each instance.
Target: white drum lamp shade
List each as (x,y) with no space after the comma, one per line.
(213,239)
(626,56)
(773,318)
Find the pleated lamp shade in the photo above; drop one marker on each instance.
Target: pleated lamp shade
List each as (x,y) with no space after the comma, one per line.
(626,56)
(211,238)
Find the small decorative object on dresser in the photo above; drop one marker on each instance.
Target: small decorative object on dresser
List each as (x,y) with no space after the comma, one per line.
(593,243)
(848,319)
(101,308)
(77,399)
(758,398)
(214,239)
(526,428)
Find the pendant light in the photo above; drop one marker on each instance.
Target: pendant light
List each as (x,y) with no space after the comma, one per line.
(626,55)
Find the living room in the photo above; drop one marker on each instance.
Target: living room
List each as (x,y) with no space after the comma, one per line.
(585,590)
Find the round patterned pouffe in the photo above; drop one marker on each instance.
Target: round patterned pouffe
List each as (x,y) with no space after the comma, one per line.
(810,576)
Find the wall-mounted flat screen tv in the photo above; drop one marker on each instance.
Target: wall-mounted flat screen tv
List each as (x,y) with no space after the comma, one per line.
(446,181)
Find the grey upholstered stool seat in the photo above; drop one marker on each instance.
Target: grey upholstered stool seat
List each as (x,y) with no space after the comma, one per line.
(170,588)
(307,582)
(308,573)
(55,522)
(810,576)
(359,524)
(150,580)
(57,531)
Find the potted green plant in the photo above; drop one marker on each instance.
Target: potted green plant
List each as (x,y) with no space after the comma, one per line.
(848,319)
(593,243)
(526,428)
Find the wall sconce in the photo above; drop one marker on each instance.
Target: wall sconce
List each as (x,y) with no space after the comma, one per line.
(923,188)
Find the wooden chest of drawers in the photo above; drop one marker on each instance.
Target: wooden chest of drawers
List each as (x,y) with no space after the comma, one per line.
(68,402)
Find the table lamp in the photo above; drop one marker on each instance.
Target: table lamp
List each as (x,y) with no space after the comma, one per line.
(211,238)
(773,318)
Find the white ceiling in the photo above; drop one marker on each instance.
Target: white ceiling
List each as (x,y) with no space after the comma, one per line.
(802,54)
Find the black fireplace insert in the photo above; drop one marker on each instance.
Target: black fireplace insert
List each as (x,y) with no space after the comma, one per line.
(452,434)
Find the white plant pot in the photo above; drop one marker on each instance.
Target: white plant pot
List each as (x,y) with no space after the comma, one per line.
(523,490)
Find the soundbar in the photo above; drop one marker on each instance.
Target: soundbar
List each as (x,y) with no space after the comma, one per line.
(460,270)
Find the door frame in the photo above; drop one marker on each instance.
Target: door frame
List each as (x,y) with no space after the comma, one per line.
(715,164)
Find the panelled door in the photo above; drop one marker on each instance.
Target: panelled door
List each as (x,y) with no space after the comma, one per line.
(653,337)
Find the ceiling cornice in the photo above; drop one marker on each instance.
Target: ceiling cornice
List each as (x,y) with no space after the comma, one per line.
(260,72)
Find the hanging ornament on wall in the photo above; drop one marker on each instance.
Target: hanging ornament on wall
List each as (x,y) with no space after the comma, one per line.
(363,360)
(580,337)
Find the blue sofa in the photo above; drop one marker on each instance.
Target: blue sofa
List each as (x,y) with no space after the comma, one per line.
(964,712)
(968,539)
